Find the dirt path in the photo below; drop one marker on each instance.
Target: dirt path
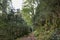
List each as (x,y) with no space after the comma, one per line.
(29,37)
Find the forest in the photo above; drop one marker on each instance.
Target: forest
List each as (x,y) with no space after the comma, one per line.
(36,20)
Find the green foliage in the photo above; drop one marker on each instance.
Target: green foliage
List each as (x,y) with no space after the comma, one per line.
(27,9)
(44,19)
(45,14)
(12,26)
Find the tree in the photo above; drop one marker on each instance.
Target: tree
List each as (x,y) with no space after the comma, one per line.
(12,26)
(45,19)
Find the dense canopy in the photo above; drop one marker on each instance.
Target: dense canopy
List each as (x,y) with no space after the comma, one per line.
(40,17)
